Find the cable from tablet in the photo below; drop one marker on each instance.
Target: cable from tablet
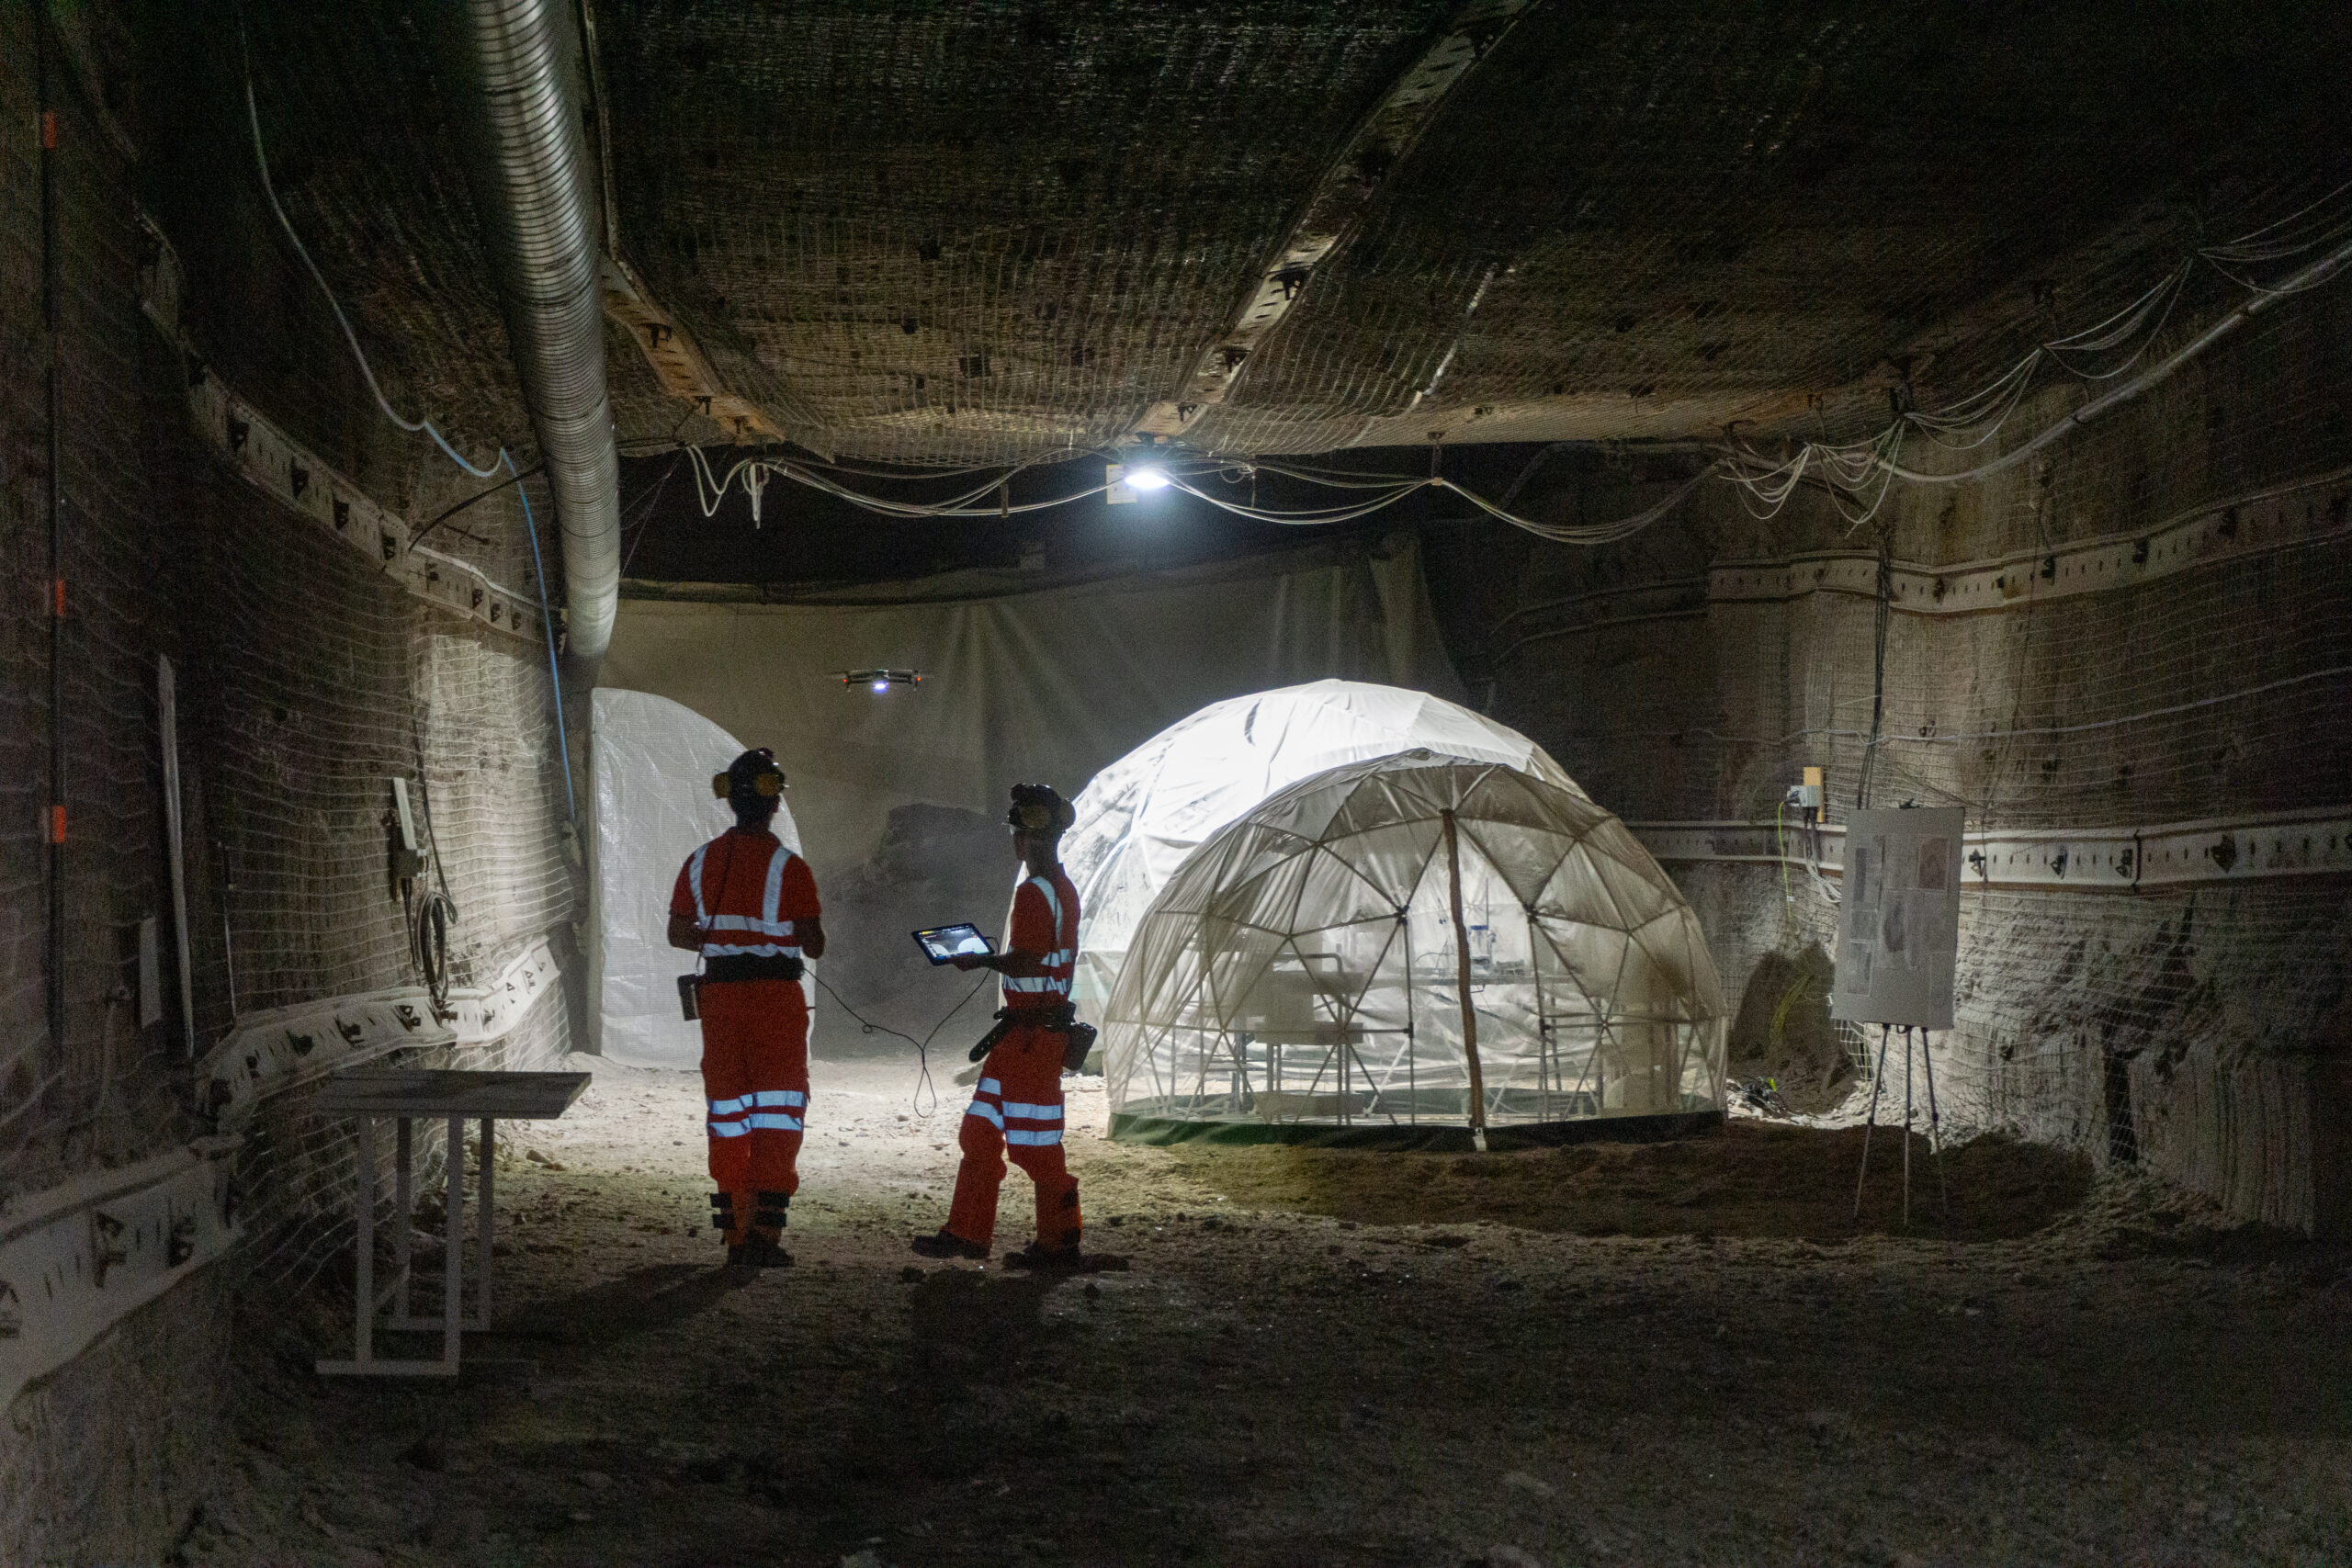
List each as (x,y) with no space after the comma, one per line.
(923,1046)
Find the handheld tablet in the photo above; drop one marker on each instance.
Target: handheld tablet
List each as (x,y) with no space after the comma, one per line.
(941,944)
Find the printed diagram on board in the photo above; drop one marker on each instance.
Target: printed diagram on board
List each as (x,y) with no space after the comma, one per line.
(1898,925)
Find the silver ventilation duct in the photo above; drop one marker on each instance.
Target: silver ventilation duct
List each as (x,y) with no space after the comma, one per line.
(534,190)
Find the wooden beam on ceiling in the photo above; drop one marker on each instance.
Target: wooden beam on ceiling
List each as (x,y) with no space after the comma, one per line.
(1336,208)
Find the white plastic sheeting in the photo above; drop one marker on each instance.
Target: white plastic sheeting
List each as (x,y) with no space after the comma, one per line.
(1142,815)
(1046,686)
(1301,970)
(900,794)
(650,761)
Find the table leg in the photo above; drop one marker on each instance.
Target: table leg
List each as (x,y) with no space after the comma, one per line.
(453,1284)
(483,1193)
(363,1332)
(403,1203)
(364,1298)
(454,1213)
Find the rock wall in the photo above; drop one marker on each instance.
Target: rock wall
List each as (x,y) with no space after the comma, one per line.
(306,677)
(2149,623)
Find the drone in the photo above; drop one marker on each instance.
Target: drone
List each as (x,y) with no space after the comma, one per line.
(881,680)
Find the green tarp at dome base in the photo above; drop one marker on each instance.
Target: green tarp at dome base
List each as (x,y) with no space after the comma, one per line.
(1427,1137)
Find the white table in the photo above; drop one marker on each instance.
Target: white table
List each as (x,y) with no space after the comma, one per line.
(403,1095)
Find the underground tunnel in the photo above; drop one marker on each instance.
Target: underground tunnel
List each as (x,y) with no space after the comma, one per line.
(1442,783)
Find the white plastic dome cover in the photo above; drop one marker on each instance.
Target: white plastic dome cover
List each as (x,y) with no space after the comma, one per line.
(1141,816)
(1303,965)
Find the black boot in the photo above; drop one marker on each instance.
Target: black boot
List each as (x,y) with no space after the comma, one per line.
(942,1243)
(760,1252)
(1046,1260)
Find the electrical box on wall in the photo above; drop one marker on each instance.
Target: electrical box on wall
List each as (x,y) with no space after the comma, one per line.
(408,859)
(1806,797)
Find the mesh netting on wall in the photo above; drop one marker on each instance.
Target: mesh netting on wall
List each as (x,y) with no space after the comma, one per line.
(2189,1029)
(301,1172)
(2163,635)
(2219,687)
(305,682)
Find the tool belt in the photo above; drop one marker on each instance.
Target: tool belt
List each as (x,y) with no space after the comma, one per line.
(752,967)
(1056,1018)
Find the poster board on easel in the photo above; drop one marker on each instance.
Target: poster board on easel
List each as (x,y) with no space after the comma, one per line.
(1898,918)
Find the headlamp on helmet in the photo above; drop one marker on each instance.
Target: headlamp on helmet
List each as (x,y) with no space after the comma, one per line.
(752,779)
(1039,811)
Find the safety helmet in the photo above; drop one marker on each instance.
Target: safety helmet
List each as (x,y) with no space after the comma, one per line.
(751,780)
(1039,811)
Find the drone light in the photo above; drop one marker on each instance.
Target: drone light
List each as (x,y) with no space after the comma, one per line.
(882,684)
(1146,475)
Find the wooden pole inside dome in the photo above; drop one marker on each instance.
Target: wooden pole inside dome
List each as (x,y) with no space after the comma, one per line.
(1462,980)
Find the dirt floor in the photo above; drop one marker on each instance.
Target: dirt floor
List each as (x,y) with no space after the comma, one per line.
(1624,1354)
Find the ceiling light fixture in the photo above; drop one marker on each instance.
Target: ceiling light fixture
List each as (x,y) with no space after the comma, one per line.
(1140,471)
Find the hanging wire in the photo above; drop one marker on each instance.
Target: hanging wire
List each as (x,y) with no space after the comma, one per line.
(923,1047)
(1379,491)
(367,371)
(547,624)
(1884,612)
(1972,421)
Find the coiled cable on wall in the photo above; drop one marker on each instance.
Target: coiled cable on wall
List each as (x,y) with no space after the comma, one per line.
(428,943)
(430,918)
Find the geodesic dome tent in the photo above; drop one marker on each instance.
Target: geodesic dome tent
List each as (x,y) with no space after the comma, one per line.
(1411,951)
(1140,816)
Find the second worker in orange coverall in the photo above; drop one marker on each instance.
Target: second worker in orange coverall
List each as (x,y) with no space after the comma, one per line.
(1016,1112)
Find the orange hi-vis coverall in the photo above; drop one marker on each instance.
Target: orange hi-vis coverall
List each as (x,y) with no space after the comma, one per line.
(1016,1112)
(750,895)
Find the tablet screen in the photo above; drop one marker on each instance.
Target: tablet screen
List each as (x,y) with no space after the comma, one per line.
(941,944)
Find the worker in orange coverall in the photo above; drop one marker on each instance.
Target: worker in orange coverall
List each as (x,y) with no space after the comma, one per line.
(1016,1112)
(747,906)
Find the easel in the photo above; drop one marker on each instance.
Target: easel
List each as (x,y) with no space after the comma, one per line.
(1935,1126)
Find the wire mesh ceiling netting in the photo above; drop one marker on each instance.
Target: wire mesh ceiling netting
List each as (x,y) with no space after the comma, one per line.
(985,232)
(1000,230)
(1629,227)
(1304,968)
(1627,223)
